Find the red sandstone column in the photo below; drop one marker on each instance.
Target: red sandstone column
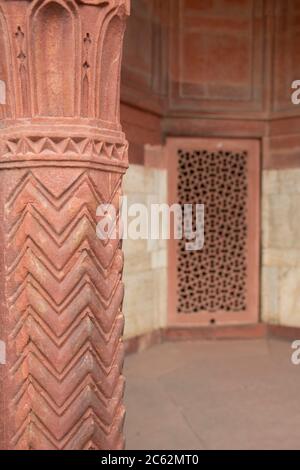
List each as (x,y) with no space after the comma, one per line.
(62,153)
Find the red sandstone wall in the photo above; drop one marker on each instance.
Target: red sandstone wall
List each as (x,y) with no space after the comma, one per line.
(213,68)
(216,57)
(144,75)
(284,143)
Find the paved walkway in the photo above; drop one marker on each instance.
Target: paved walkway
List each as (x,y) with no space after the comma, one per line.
(213,395)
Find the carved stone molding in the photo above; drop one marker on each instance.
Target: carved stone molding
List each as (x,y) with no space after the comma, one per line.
(62,153)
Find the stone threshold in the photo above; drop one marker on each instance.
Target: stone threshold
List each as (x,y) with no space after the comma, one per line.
(232,332)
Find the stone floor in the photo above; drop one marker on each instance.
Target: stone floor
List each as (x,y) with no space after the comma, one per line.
(213,395)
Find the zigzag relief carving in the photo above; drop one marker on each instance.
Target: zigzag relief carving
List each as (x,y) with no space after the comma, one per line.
(61,291)
(64,295)
(64,146)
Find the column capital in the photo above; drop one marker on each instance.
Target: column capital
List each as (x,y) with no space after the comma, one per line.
(61,59)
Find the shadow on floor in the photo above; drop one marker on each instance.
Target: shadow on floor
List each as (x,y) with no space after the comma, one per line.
(213,395)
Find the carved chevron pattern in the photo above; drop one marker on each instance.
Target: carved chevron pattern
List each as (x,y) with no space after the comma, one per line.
(65,295)
(76,146)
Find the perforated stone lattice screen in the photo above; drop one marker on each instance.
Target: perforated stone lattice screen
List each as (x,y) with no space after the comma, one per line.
(220,283)
(214,278)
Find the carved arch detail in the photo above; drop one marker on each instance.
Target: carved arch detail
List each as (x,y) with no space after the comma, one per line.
(108,64)
(54,57)
(6,98)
